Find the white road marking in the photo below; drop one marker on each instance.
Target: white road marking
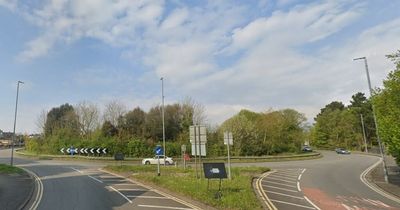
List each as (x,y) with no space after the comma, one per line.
(261,191)
(309,201)
(293,204)
(39,193)
(77,170)
(134,190)
(282,177)
(279,188)
(285,175)
(283,194)
(163,207)
(293,182)
(118,184)
(146,196)
(129,200)
(298,186)
(95,179)
(278,183)
(372,186)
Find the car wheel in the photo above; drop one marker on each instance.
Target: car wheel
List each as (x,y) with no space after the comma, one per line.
(167,163)
(147,163)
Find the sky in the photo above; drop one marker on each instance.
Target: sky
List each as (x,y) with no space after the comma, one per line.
(226,55)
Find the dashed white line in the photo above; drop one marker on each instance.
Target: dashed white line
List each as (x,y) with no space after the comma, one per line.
(293,204)
(77,170)
(129,200)
(163,207)
(283,194)
(95,179)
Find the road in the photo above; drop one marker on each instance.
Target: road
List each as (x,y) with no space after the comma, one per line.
(331,182)
(81,185)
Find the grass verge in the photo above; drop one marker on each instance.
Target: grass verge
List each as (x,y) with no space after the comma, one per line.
(7,169)
(236,193)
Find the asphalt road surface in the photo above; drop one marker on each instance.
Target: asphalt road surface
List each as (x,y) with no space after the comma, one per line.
(332,182)
(81,185)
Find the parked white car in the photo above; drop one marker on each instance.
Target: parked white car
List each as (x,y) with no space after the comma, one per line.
(154,160)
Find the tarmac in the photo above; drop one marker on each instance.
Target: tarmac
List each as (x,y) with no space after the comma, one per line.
(15,190)
(376,176)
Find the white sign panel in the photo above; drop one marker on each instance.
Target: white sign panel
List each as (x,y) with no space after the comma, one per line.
(228,137)
(203,149)
(201,134)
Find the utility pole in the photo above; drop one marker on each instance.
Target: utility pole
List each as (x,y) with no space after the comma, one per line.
(376,122)
(163,118)
(15,123)
(364,136)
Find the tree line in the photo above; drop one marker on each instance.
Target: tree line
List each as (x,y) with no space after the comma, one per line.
(338,125)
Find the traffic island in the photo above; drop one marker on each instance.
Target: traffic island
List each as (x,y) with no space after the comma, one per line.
(236,193)
(16,187)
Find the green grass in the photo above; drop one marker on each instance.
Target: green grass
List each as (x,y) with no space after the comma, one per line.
(236,193)
(7,169)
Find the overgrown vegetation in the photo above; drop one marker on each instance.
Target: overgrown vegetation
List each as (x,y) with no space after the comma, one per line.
(236,193)
(136,132)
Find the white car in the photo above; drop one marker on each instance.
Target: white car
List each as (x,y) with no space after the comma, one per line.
(154,160)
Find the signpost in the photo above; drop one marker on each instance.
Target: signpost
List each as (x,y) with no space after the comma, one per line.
(214,171)
(183,151)
(198,138)
(228,140)
(159,151)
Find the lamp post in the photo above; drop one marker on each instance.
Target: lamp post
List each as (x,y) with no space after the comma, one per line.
(163,117)
(15,123)
(376,123)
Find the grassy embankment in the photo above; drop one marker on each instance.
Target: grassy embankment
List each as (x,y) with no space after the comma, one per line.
(236,193)
(7,169)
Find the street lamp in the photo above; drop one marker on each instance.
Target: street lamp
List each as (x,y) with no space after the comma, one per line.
(15,123)
(376,123)
(163,117)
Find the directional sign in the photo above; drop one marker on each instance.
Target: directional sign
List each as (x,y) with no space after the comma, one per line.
(98,150)
(82,150)
(92,150)
(198,133)
(86,150)
(159,150)
(228,138)
(104,150)
(62,150)
(200,147)
(214,170)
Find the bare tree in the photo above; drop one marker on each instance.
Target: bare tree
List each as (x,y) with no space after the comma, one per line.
(113,111)
(88,117)
(41,121)
(197,111)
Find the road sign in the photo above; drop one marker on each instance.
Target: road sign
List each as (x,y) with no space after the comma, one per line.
(200,148)
(228,138)
(159,150)
(183,148)
(199,132)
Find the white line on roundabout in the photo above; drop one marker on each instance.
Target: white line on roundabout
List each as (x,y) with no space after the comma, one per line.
(372,186)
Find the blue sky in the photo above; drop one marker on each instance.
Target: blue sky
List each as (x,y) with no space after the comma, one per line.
(227,55)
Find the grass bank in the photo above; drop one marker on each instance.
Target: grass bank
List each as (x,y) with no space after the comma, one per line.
(7,169)
(236,193)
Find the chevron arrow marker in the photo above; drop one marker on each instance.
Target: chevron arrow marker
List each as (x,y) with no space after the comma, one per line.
(104,150)
(98,150)
(91,150)
(62,150)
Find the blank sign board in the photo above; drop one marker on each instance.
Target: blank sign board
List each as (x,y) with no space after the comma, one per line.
(214,170)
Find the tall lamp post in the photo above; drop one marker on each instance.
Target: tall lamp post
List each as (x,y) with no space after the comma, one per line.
(15,123)
(163,117)
(376,123)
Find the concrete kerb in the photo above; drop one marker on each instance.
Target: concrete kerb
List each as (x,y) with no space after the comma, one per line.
(23,205)
(375,187)
(261,195)
(38,188)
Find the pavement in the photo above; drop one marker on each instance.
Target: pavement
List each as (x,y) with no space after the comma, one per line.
(15,190)
(376,176)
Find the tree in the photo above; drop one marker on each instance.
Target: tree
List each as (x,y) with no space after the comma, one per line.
(108,129)
(113,111)
(88,117)
(62,117)
(133,122)
(387,106)
(41,121)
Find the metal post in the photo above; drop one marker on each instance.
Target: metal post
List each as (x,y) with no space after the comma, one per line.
(15,123)
(199,133)
(229,158)
(163,118)
(195,151)
(158,165)
(364,136)
(376,122)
